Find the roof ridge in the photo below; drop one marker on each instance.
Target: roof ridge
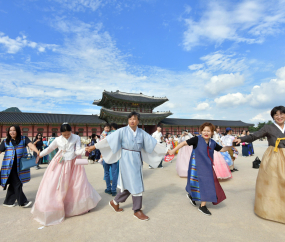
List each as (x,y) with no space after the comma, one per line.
(54,113)
(136,94)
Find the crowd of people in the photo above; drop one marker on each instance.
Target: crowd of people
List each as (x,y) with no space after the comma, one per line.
(203,159)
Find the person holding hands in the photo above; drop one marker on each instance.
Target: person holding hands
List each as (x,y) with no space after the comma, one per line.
(202,182)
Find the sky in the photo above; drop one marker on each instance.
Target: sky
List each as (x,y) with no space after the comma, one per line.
(212,59)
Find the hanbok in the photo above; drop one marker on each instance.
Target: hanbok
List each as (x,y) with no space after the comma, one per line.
(183,157)
(222,161)
(45,158)
(131,150)
(270,182)
(64,190)
(53,153)
(202,182)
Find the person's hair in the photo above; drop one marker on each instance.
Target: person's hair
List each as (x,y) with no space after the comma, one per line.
(247,131)
(276,109)
(217,127)
(114,125)
(98,136)
(93,136)
(158,126)
(38,135)
(18,137)
(166,135)
(133,113)
(77,133)
(53,135)
(65,127)
(107,125)
(207,124)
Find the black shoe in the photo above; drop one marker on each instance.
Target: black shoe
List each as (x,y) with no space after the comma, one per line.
(232,170)
(204,210)
(114,194)
(26,204)
(108,191)
(191,200)
(235,169)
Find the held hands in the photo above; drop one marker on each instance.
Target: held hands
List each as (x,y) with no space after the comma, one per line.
(237,141)
(91,148)
(171,152)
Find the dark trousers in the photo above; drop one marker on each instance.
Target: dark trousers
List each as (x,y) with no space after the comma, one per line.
(114,169)
(15,189)
(122,197)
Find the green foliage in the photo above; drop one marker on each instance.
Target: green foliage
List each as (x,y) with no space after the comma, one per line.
(259,126)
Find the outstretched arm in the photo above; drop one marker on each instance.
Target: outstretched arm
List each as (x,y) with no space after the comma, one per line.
(226,148)
(172,152)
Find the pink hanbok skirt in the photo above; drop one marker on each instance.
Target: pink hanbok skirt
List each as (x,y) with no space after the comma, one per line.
(221,167)
(64,192)
(183,159)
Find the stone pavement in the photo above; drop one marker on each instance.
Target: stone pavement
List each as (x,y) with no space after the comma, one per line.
(172,218)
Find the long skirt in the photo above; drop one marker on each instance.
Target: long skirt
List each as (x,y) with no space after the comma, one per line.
(245,150)
(64,192)
(221,167)
(183,159)
(270,186)
(227,158)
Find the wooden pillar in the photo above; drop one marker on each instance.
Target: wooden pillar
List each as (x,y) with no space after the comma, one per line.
(47,131)
(33,131)
(86,130)
(171,129)
(143,126)
(74,129)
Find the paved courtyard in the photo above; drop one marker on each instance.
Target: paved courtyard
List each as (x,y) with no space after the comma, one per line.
(172,218)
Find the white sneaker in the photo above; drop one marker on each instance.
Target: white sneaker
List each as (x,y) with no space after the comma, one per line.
(9,206)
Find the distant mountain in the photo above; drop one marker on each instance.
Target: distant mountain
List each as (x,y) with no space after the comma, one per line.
(12,109)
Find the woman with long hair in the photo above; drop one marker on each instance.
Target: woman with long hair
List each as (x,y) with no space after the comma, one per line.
(38,142)
(14,147)
(244,145)
(64,190)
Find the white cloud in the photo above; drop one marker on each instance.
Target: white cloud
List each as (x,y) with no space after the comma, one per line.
(81,5)
(262,117)
(248,21)
(222,82)
(203,116)
(265,95)
(13,46)
(231,99)
(224,62)
(203,106)
(195,67)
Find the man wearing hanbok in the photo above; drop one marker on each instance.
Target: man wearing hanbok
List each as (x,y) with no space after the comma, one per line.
(131,146)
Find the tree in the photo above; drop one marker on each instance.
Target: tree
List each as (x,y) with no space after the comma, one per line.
(259,126)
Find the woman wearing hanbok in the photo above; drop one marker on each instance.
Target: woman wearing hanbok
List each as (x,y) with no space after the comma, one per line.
(244,145)
(53,153)
(221,167)
(45,145)
(202,182)
(184,155)
(64,190)
(270,183)
(250,146)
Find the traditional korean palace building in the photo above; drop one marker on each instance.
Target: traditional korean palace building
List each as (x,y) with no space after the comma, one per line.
(115,108)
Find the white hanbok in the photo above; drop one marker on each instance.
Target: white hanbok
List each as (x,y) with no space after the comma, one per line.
(131,148)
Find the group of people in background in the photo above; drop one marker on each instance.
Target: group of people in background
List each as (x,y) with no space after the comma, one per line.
(204,159)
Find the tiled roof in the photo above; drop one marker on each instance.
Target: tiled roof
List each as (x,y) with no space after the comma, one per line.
(143,115)
(198,122)
(48,118)
(132,97)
